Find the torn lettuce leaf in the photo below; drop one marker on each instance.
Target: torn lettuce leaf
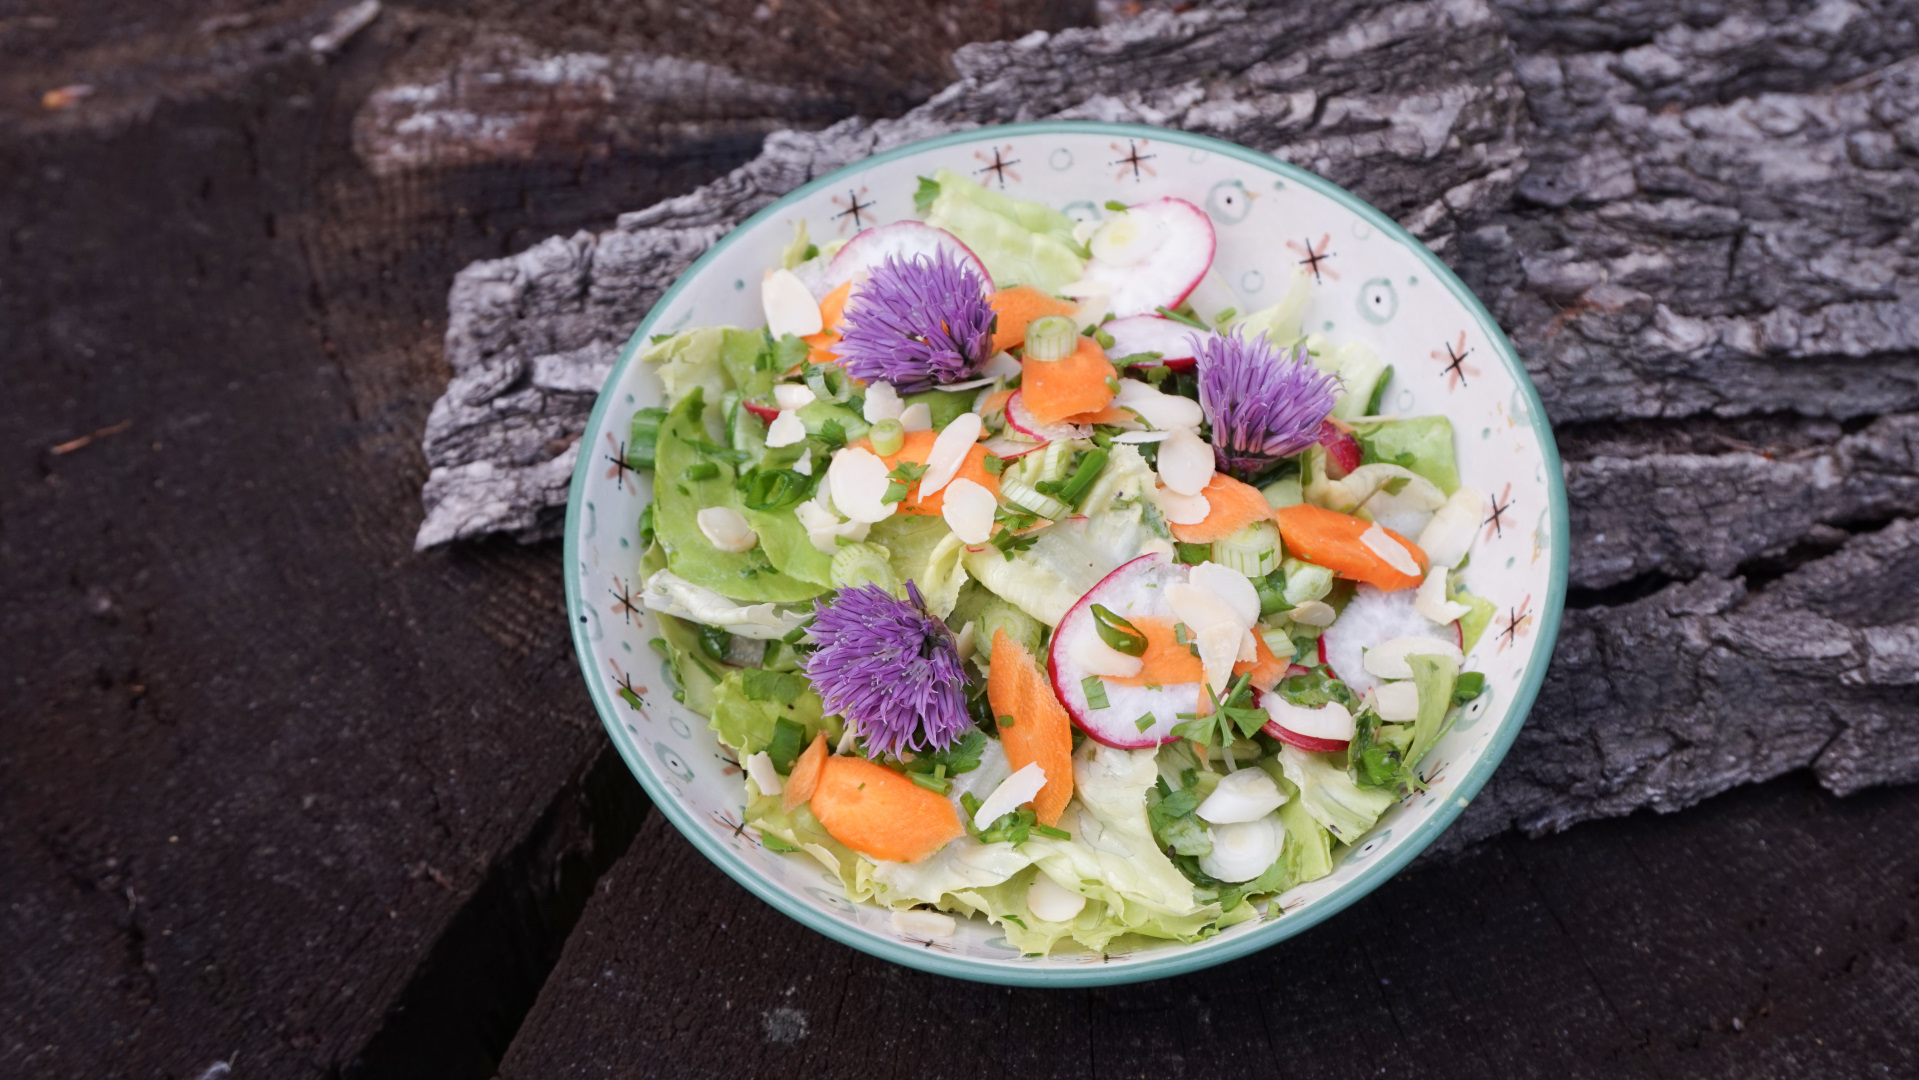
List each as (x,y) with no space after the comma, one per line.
(1421,444)
(1329,794)
(1021,243)
(745,713)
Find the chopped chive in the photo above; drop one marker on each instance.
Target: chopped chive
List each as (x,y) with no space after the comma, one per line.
(1048,830)
(1095,691)
(1116,206)
(774,843)
(702,470)
(1145,721)
(934,784)
(1005,721)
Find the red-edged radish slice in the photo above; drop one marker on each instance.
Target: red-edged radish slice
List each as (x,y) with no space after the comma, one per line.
(1342,450)
(1009,449)
(764,412)
(902,240)
(1151,256)
(1304,742)
(1137,588)
(1373,618)
(1022,420)
(1136,334)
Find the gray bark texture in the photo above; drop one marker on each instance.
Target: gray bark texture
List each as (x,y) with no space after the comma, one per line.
(1696,226)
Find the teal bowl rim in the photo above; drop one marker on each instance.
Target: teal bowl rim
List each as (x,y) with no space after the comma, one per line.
(1174,961)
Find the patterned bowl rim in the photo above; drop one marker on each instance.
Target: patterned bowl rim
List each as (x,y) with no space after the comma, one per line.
(1170,961)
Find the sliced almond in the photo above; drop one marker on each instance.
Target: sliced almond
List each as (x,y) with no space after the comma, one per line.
(924,924)
(1141,436)
(792,395)
(1381,543)
(1012,792)
(1313,613)
(1185,463)
(786,429)
(1162,410)
(1449,535)
(882,403)
(1183,509)
(790,307)
(1199,609)
(968,509)
(1229,585)
(949,452)
(767,778)
(1431,600)
(1049,901)
(1329,721)
(858,481)
(1095,657)
(917,417)
(1001,366)
(1218,650)
(1389,659)
(804,466)
(726,529)
(1396,702)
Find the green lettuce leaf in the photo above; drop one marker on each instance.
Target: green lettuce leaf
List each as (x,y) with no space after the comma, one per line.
(1473,624)
(697,675)
(1329,794)
(1433,678)
(691,361)
(923,550)
(749,576)
(745,713)
(1421,444)
(1021,243)
(1281,323)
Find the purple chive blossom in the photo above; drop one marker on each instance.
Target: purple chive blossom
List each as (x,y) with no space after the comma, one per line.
(890,668)
(917,323)
(1264,403)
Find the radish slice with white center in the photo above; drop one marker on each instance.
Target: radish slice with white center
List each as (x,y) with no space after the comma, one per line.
(949,452)
(1246,795)
(1024,422)
(1431,601)
(902,240)
(1372,618)
(1185,462)
(1162,410)
(1389,659)
(968,510)
(1231,586)
(790,306)
(1132,717)
(1381,543)
(917,417)
(1330,721)
(1012,793)
(882,403)
(1137,334)
(1396,702)
(857,479)
(1449,535)
(1243,851)
(792,395)
(726,529)
(786,429)
(1183,509)
(1150,257)
(767,778)
(1049,901)
(1099,658)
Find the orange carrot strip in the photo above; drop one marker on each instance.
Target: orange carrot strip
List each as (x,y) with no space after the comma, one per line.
(1056,389)
(1168,663)
(806,774)
(1019,306)
(916,448)
(1041,729)
(880,813)
(1331,539)
(831,310)
(1111,414)
(1233,506)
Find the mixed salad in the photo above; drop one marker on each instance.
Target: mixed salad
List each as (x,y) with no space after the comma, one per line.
(1031,578)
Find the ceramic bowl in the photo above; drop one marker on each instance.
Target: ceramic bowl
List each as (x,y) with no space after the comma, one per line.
(1373,282)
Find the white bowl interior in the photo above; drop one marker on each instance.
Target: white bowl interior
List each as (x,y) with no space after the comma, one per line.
(1376,284)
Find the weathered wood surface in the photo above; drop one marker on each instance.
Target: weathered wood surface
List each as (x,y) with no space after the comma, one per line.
(1699,226)
(1737,940)
(391,798)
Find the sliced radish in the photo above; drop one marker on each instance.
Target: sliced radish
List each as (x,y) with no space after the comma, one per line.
(764,412)
(1304,742)
(1007,449)
(1150,257)
(1342,450)
(1020,419)
(902,240)
(1371,619)
(1134,590)
(1136,334)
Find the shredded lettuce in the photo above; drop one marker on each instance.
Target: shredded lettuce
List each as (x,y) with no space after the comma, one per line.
(1281,322)
(1329,794)
(747,706)
(1021,243)
(1421,444)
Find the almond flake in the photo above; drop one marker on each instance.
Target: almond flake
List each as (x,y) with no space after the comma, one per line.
(1162,410)
(968,509)
(1381,543)
(1011,793)
(767,778)
(917,417)
(792,395)
(790,307)
(1092,655)
(1431,600)
(1388,659)
(949,452)
(1231,586)
(882,403)
(1329,721)
(726,529)
(1313,613)
(785,430)
(1141,436)
(1183,509)
(1185,463)
(858,481)
(1396,702)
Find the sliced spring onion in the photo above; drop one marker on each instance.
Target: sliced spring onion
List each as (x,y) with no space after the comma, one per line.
(643,438)
(863,564)
(1095,691)
(827,381)
(702,470)
(1051,337)
(1030,499)
(1115,631)
(1075,487)
(888,437)
(1253,550)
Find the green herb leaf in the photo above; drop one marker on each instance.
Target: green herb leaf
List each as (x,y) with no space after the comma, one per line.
(924,196)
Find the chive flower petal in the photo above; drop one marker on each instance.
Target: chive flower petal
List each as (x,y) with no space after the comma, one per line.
(891,668)
(1264,403)
(918,323)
